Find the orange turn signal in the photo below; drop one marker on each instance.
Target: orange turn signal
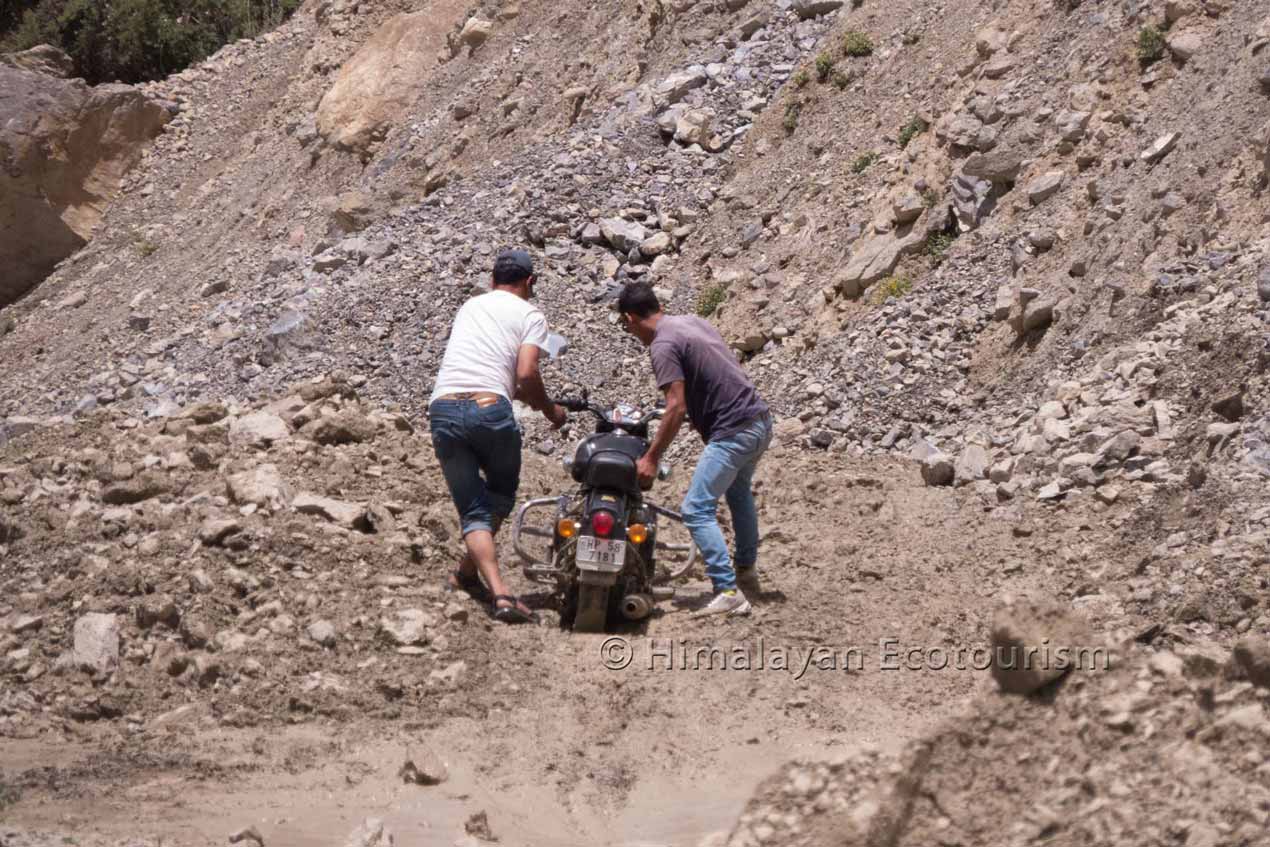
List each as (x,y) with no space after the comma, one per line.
(637,533)
(566,528)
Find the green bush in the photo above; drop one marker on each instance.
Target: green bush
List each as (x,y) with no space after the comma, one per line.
(1150,45)
(937,244)
(9,794)
(801,78)
(841,79)
(137,40)
(857,44)
(915,127)
(709,301)
(792,110)
(824,67)
(863,161)
(892,286)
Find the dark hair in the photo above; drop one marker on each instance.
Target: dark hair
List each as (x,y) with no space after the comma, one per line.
(638,299)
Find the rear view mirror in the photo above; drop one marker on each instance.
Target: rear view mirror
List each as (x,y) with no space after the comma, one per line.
(556,345)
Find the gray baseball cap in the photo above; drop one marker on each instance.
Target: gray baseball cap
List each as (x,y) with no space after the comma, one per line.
(512,266)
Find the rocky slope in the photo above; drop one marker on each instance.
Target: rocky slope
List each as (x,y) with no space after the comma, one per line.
(1019,247)
(66,147)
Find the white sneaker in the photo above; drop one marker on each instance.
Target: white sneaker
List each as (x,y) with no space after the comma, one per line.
(725,604)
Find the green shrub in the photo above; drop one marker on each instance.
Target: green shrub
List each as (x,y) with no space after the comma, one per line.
(709,301)
(824,67)
(857,44)
(137,40)
(1150,45)
(863,161)
(801,78)
(937,244)
(792,110)
(9,794)
(915,127)
(841,79)
(892,286)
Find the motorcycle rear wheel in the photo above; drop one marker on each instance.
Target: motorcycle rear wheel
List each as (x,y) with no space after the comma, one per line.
(592,609)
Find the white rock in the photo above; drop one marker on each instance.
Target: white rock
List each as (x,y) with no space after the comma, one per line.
(96,645)
(348,515)
(259,429)
(261,486)
(1161,148)
(406,627)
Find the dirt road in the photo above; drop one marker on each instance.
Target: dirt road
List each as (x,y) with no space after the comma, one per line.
(654,736)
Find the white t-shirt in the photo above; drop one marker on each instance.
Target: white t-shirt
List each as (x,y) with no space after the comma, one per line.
(485,342)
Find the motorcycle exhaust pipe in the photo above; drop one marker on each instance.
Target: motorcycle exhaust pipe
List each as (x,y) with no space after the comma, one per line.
(662,593)
(636,607)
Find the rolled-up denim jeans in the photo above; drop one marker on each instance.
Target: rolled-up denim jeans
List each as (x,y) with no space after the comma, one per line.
(479,451)
(726,470)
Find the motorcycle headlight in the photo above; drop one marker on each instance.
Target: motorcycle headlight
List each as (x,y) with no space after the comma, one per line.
(567,461)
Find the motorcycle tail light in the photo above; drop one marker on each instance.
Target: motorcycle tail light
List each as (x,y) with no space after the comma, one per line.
(637,533)
(566,528)
(602,522)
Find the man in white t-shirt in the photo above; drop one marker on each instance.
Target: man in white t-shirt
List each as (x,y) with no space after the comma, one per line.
(492,357)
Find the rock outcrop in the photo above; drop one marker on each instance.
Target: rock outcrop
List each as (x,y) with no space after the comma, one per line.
(64,146)
(384,78)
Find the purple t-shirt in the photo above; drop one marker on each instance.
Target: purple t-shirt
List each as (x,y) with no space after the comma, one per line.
(720,396)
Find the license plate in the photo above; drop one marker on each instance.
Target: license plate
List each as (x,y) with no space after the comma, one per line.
(597,551)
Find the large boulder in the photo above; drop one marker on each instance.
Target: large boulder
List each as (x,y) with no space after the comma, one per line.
(259,486)
(696,126)
(677,86)
(96,644)
(42,59)
(259,429)
(407,627)
(1036,643)
(385,77)
(999,166)
(347,515)
(808,9)
(64,147)
(972,199)
(971,465)
(877,258)
(1252,656)
(622,234)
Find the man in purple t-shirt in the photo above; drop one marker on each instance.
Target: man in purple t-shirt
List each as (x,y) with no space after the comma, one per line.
(703,381)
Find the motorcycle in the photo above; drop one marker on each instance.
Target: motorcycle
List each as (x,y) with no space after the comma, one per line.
(604,544)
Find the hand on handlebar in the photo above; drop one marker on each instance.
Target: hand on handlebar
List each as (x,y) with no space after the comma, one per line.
(558,414)
(646,470)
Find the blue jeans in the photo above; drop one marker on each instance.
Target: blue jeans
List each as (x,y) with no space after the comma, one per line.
(726,470)
(469,441)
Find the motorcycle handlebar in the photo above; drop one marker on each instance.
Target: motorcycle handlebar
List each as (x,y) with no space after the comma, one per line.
(581,404)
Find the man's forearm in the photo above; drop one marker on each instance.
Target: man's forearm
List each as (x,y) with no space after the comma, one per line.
(532,391)
(666,433)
